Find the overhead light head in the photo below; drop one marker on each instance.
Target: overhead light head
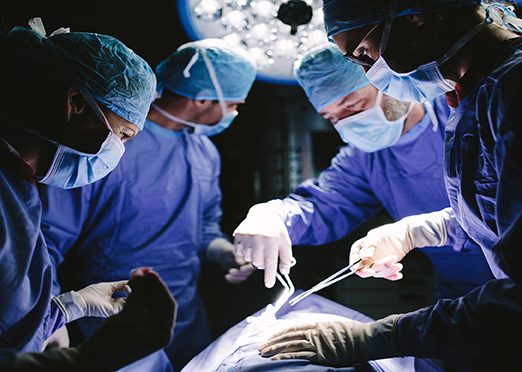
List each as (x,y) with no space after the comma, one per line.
(274,32)
(295,13)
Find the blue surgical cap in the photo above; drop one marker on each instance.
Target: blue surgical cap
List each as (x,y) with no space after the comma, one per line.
(185,73)
(344,15)
(325,75)
(94,64)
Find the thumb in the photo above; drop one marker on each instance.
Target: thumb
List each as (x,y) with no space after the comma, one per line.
(119,286)
(239,259)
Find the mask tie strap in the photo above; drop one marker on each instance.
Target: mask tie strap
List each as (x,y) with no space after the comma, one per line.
(387,26)
(215,82)
(431,113)
(378,99)
(461,42)
(36,24)
(11,149)
(191,62)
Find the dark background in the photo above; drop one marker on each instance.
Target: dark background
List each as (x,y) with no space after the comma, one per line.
(262,157)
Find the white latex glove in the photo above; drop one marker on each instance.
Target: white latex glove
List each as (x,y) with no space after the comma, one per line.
(383,247)
(222,252)
(262,239)
(93,300)
(60,338)
(339,343)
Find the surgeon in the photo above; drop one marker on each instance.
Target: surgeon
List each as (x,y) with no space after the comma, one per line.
(418,50)
(161,205)
(393,162)
(71,100)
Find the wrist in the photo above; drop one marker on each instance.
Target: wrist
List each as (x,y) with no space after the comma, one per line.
(217,247)
(427,230)
(378,339)
(72,305)
(274,209)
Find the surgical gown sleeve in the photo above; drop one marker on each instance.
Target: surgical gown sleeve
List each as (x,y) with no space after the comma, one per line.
(505,118)
(63,218)
(328,208)
(212,204)
(478,327)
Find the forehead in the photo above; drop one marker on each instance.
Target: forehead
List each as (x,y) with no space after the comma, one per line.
(117,121)
(362,93)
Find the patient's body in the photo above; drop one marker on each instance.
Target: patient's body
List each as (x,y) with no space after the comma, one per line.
(237,349)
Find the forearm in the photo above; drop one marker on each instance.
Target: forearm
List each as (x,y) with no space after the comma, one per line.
(475,327)
(430,229)
(55,359)
(313,221)
(211,236)
(56,320)
(71,305)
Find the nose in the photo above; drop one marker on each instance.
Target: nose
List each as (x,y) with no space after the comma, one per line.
(232,108)
(331,117)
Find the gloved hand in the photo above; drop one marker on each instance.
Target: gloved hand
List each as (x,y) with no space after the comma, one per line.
(338,343)
(60,338)
(222,252)
(262,238)
(382,248)
(143,326)
(93,300)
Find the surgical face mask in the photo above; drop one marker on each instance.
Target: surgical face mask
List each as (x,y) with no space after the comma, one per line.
(201,129)
(424,83)
(370,130)
(72,168)
(227,117)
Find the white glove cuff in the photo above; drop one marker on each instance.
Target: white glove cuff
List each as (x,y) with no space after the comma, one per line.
(428,229)
(272,208)
(72,305)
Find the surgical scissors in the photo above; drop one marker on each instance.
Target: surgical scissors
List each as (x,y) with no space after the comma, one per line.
(332,279)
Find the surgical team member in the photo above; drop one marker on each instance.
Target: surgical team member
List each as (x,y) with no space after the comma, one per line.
(417,50)
(71,100)
(395,164)
(161,205)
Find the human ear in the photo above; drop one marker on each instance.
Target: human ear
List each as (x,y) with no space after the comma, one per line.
(76,104)
(202,103)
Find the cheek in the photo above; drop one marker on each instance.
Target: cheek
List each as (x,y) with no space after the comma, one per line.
(210,116)
(342,113)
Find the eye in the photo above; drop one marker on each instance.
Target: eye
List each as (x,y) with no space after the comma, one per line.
(363,56)
(126,135)
(351,105)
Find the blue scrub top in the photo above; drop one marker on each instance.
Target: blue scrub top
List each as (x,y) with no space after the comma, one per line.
(405,179)
(27,317)
(160,207)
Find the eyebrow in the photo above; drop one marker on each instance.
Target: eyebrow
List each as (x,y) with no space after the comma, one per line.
(350,101)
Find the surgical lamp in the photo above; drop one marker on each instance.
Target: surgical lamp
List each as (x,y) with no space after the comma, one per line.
(274,32)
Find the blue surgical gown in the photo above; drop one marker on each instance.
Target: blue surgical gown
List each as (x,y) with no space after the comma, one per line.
(405,179)
(160,207)
(484,180)
(27,316)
